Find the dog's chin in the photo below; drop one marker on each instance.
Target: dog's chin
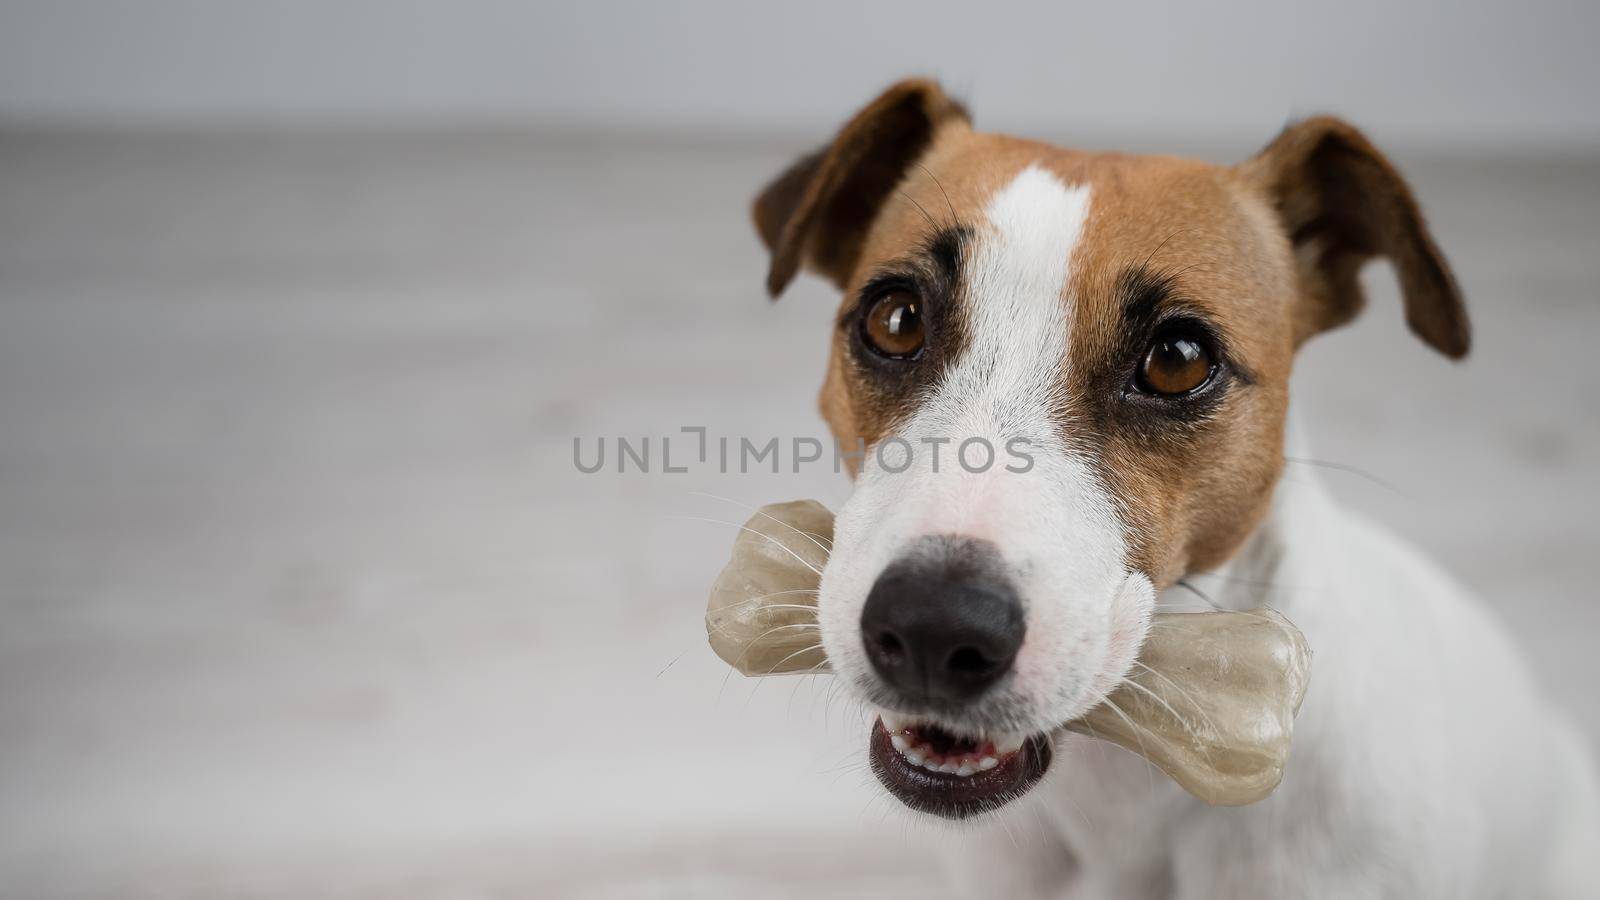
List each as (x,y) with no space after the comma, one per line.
(935,771)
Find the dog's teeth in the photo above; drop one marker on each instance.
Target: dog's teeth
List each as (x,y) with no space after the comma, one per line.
(903,737)
(1008,743)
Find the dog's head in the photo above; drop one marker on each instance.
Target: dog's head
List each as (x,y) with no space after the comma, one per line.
(1069,372)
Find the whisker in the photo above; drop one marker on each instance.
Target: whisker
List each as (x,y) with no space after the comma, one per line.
(768,537)
(812,591)
(802,607)
(753,641)
(774,668)
(1168,707)
(1077,807)
(1348,469)
(775,629)
(799,606)
(1180,689)
(1160,700)
(1163,243)
(1013,837)
(753,600)
(934,226)
(1175,275)
(1184,583)
(767,674)
(814,538)
(1137,736)
(954,219)
(746,652)
(801,680)
(671,664)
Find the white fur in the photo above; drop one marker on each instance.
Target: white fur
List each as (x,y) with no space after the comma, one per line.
(1425,762)
(1055,525)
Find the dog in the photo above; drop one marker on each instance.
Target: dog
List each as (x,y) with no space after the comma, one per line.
(1127,324)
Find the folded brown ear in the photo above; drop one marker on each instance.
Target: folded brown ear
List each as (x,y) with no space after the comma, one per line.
(818,211)
(1343,203)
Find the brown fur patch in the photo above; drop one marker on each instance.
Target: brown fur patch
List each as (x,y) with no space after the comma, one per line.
(1342,203)
(818,211)
(1192,490)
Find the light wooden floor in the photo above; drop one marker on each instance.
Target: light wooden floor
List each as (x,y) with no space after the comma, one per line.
(303,595)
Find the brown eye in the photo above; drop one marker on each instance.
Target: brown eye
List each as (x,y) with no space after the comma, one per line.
(1175,364)
(893,326)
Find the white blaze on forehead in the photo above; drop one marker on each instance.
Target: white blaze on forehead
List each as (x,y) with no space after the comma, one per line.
(1006,383)
(1016,309)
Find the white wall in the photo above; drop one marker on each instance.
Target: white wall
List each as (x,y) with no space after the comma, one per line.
(1485,72)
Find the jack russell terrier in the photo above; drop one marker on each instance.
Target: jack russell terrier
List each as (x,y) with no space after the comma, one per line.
(1132,321)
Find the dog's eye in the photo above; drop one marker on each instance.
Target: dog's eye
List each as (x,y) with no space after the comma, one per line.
(893,325)
(1177,363)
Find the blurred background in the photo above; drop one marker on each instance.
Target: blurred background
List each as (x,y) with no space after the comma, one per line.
(302,305)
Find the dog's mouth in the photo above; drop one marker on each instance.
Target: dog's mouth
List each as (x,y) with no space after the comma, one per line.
(933,770)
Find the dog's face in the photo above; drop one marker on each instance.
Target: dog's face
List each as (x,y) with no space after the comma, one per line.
(1069,372)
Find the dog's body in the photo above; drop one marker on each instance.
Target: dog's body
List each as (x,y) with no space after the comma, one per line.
(1131,323)
(1424,765)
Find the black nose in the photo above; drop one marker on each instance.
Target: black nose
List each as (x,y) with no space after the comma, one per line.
(942,622)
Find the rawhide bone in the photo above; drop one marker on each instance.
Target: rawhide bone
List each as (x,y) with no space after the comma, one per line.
(1212,705)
